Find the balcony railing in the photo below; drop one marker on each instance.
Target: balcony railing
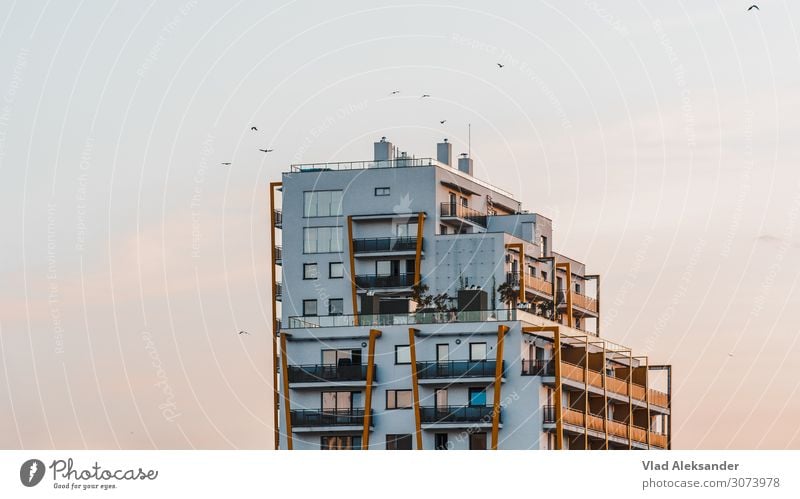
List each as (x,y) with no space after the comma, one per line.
(463,212)
(457,414)
(538,367)
(584,302)
(658,398)
(456,369)
(302,322)
(385,281)
(327,417)
(322,373)
(278,291)
(279,219)
(278,255)
(658,440)
(365,165)
(382,244)
(531,282)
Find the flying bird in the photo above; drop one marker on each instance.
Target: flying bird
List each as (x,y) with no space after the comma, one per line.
(266,150)
(425,95)
(442,122)
(244,332)
(254,128)
(752,7)
(500,65)
(225,164)
(395,92)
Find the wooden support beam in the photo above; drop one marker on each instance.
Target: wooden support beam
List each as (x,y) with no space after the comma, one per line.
(498,383)
(374,334)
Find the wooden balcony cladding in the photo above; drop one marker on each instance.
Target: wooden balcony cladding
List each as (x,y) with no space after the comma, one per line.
(573,417)
(618,429)
(616,385)
(595,423)
(584,302)
(571,371)
(658,398)
(595,379)
(538,284)
(638,392)
(639,434)
(658,440)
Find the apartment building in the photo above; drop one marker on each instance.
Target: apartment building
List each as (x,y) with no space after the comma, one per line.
(416,306)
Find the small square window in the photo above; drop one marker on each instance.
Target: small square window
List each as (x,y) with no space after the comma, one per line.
(398,442)
(309,308)
(398,399)
(443,230)
(477,441)
(336,270)
(310,271)
(335,306)
(402,354)
(477,397)
(382,191)
(477,351)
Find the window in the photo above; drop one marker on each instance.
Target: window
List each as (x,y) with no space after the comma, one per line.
(339,442)
(398,442)
(382,191)
(336,270)
(440,398)
(310,271)
(543,246)
(464,202)
(477,397)
(340,401)
(442,352)
(398,399)
(335,306)
(477,441)
(443,230)
(322,240)
(407,230)
(339,357)
(309,308)
(322,203)
(531,271)
(477,351)
(383,267)
(577,323)
(440,441)
(402,354)
(544,275)
(578,287)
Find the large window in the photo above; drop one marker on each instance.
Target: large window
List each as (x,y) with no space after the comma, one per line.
(340,357)
(398,442)
(309,308)
(340,401)
(477,441)
(336,270)
(477,397)
(477,351)
(322,240)
(310,271)
(335,306)
(402,354)
(398,399)
(339,442)
(407,230)
(322,203)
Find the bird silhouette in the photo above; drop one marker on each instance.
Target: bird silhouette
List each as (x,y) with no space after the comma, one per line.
(266,150)
(442,122)
(244,332)
(425,95)
(752,7)
(225,164)
(500,65)
(254,128)
(395,92)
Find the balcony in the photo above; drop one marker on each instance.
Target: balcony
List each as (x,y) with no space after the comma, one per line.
(278,218)
(327,373)
(579,300)
(538,367)
(384,244)
(658,440)
(327,417)
(454,210)
(479,414)
(412,318)
(531,283)
(278,291)
(456,369)
(385,281)
(278,255)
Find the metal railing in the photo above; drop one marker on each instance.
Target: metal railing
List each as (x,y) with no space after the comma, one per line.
(548,414)
(278,291)
(463,212)
(538,367)
(328,417)
(364,165)
(385,281)
(302,322)
(279,219)
(278,255)
(378,244)
(456,369)
(457,414)
(327,372)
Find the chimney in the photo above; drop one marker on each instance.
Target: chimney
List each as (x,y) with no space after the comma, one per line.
(465,164)
(384,150)
(444,153)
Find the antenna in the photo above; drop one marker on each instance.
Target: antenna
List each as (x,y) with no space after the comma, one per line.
(469,140)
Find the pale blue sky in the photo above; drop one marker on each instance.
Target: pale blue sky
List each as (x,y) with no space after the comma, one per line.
(661,137)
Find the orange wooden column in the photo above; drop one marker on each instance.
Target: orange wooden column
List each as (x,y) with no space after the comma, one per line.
(374,334)
(498,383)
(412,346)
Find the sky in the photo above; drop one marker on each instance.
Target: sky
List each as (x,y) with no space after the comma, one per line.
(660,137)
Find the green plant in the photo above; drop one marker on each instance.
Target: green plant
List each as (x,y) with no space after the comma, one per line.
(508,294)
